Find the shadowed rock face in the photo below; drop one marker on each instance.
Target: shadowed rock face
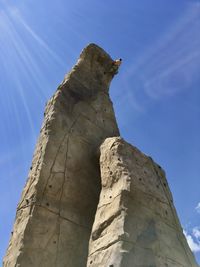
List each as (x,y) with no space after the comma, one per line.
(58,204)
(136,224)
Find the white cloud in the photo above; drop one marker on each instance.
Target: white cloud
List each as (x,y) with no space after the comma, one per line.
(193,239)
(196,232)
(198,207)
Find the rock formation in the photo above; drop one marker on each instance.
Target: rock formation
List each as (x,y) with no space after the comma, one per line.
(56,211)
(135,223)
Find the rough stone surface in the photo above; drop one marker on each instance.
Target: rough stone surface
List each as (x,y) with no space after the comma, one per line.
(136,224)
(58,204)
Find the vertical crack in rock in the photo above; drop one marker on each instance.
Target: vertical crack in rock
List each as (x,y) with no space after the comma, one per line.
(136,222)
(57,207)
(62,189)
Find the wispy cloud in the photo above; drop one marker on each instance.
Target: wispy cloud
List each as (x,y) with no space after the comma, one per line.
(193,239)
(172,64)
(198,207)
(196,232)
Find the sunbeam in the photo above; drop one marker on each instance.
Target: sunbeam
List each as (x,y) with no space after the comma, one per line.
(24,55)
(38,39)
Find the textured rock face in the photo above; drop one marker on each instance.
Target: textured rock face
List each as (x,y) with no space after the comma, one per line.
(58,204)
(136,224)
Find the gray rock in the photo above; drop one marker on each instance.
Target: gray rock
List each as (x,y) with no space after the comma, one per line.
(136,224)
(58,204)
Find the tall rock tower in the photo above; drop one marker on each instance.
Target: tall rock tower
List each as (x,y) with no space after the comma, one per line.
(57,208)
(77,211)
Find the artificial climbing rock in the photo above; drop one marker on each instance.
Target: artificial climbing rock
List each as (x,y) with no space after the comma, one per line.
(136,222)
(58,204)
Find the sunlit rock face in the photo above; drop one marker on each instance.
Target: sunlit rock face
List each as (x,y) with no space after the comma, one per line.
(58,204)
(136,224)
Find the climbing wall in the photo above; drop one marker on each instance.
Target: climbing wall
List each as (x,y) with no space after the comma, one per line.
(58,204)
(136,224)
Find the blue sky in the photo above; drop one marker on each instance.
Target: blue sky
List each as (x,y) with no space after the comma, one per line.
(156,94)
